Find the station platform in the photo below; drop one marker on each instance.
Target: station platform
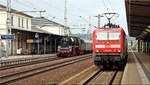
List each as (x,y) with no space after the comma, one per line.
(26,56)
(137,70)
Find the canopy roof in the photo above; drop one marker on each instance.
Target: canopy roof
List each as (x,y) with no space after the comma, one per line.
(138,17)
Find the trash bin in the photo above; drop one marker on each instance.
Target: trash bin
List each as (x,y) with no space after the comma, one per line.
(3,53)
(19,51)
(25,51)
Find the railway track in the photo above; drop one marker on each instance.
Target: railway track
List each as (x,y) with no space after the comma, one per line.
(8,64)
(101,77)
(12,77)
(4,65)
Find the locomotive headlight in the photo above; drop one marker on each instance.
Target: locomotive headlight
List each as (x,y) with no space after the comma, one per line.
(100,46)
(70,47)
(58,49)
(97,50)
(59,46)
(115,46)
(118,50)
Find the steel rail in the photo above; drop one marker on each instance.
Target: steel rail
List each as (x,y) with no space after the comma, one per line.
(39,70)
(112,78)
(99,73)
(92,77)
(28,61)
(31,62)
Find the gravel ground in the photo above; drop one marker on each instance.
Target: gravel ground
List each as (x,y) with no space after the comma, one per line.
(118,78)
(20,69)
(83,76)
(57,75)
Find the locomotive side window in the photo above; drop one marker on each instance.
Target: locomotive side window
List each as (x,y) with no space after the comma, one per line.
(114,35)
(101,35)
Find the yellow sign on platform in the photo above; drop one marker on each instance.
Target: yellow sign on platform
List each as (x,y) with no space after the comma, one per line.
(141,40)
(30,41)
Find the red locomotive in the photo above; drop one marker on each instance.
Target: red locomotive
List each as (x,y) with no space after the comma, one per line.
(109,47)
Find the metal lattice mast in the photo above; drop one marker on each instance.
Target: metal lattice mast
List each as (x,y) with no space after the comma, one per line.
(8,30)
(65,16)
(89,31)
(99,16)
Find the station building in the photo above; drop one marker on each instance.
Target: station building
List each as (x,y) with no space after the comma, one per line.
(33,35)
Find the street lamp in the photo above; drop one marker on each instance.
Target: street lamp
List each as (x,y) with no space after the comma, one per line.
(45,43)
(38,41)
(56,44)
(0,49)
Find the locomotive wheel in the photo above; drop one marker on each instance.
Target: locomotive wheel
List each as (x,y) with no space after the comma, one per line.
(74,52)
(101,66)
(96,63)
(125,60)
(58,55)
(71,54)
(121,65)
(77,51)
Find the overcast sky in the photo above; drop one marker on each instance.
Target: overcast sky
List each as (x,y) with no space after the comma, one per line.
(75,8)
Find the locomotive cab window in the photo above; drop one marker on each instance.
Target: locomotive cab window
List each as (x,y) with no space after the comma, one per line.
(115,35)
(101,36)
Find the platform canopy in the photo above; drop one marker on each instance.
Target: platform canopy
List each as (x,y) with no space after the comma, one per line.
(138,17)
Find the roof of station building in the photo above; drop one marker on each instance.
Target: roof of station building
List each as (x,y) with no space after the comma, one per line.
(44,22)
(2,7)
(35,30)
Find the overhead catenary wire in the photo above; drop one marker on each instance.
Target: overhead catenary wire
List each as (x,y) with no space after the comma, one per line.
(34,7)
(58,9)
(106,8)
(3,2)
(21,3)
(115,19)
(47,3)
(111,9)
(25,7)
(26,4)
(87,22)
(111,5)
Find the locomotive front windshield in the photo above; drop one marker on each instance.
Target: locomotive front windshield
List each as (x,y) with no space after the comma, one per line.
(115,35)
(65,42)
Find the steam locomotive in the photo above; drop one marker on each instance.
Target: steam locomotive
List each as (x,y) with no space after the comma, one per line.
(73,46)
